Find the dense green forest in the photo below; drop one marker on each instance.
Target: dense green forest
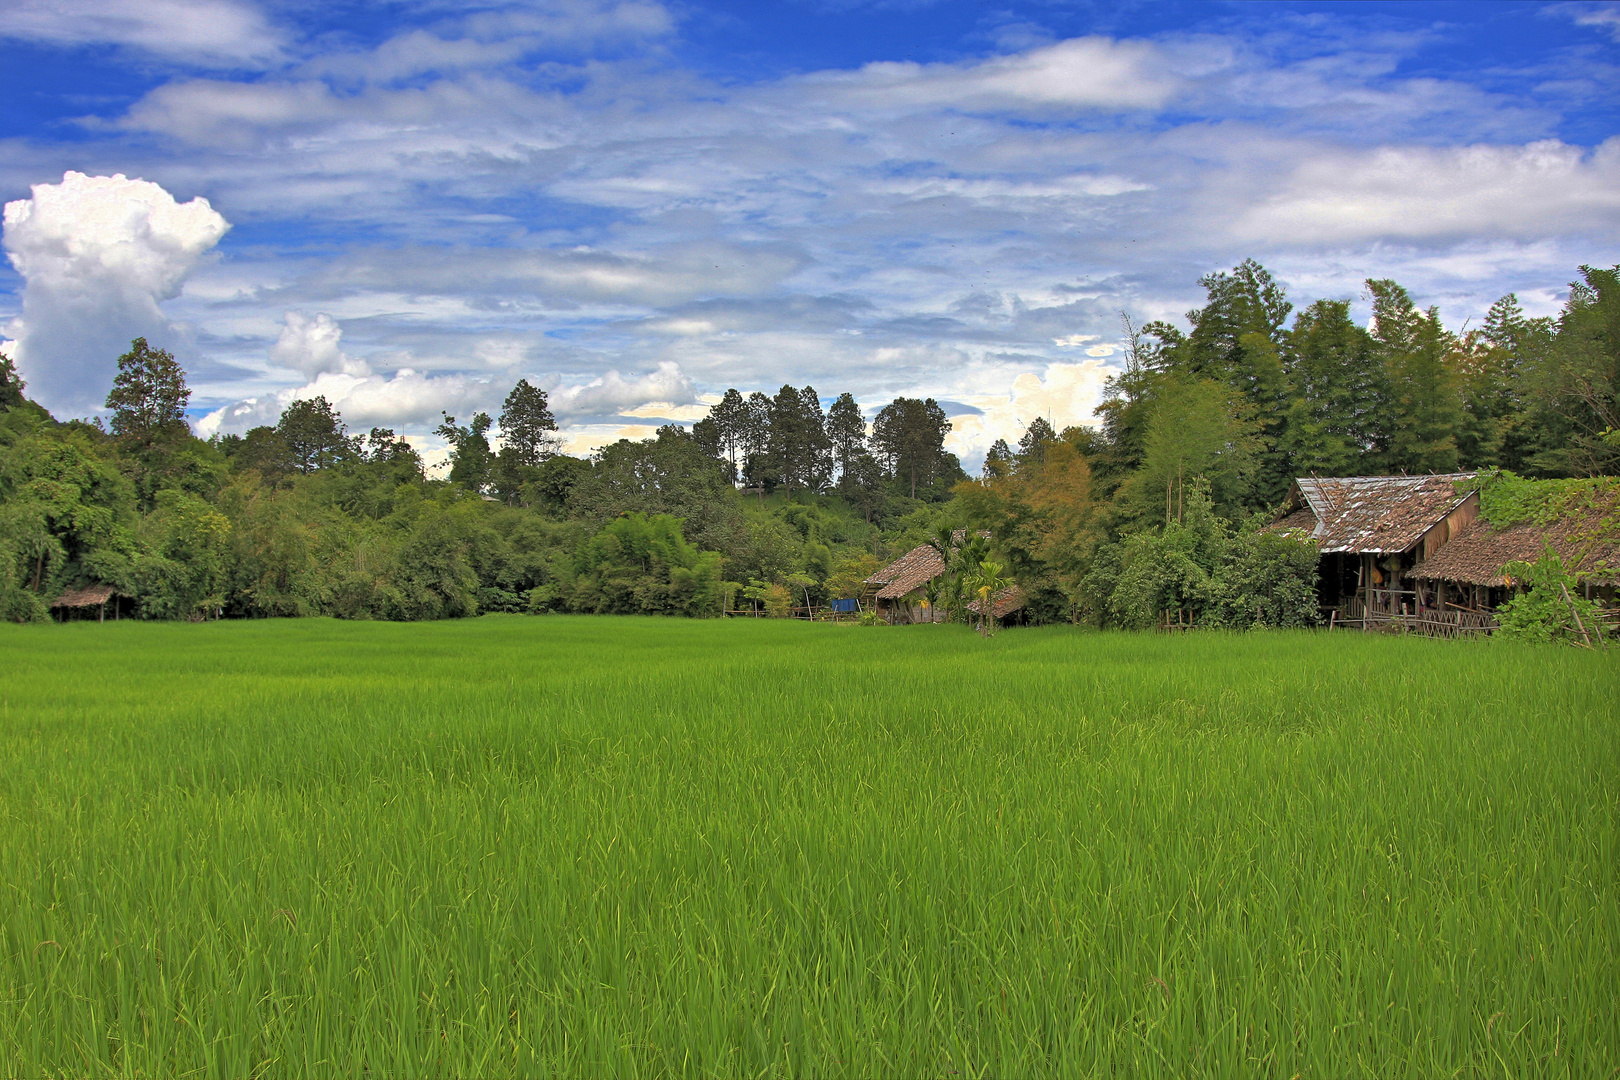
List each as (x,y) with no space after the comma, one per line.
(773,500)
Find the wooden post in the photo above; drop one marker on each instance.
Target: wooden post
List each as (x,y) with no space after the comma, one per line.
(1575,612)
(1367,581)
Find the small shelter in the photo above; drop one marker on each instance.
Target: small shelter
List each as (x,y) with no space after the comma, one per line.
(1467,574)
(892,590)
(1004,603)
(77,602)
(895,591)
(1371,531)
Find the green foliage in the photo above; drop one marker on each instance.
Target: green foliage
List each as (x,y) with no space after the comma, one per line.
(11,384)
(1205,573)
(149,394)
(1580,376)
(1268,580)
(1549,606)
(1506,499)
(644,565)
(471,459)
(910,437)
(1422,410)
(182,570)
(310,436)
(1334,378)
(1194,432)
(848,578)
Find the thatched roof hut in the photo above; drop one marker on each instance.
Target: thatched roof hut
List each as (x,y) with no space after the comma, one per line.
(90,596)
(908,573)
(1582,540)
(1002,604)
(902,578)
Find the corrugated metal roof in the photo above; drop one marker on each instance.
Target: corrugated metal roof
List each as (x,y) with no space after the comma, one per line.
(1378,514)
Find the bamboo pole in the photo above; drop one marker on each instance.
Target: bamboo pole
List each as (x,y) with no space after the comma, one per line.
(1575,612)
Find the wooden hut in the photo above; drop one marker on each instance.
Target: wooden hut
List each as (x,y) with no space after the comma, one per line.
(1467,574)
(77,602)
(893,591)
(1371,533)
(1006,602)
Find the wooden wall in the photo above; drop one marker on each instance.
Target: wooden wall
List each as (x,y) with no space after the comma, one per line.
(1443,531)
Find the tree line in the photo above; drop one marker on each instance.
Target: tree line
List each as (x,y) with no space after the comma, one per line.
(773,501)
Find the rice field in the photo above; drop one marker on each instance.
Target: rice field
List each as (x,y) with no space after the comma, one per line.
(634,847)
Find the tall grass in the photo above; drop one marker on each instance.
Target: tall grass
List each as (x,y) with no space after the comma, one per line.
(594,846)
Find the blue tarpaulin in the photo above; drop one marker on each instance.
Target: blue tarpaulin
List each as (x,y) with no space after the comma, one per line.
(841,606)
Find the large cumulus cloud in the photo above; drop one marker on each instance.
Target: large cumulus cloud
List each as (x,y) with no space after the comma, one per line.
(98,254)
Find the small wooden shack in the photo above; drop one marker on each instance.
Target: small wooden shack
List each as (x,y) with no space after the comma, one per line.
(1003,604)
(1371,532)
(895,592)
(76,603)
(1467,574)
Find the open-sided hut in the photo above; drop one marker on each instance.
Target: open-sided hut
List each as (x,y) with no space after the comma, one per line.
(1371,532)
(1467,574)
(78,602)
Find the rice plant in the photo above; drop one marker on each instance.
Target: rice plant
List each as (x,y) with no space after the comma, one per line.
(568,846)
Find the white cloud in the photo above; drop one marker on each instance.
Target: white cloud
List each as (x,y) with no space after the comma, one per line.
(1422,192)
(490,38)
(575,20)
(1605,17)
(313,346)
(364,398)
(1082,73)
(612,393)
(208,32)
(1065,394)
(899,228)
(98,254)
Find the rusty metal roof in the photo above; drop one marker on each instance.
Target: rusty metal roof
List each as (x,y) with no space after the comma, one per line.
(1376,514)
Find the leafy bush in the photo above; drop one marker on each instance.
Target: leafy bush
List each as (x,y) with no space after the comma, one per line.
(1243,579)
(1268,579)
(1551,609)
(643,565)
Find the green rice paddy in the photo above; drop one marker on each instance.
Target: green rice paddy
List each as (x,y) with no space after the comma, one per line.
(625,847)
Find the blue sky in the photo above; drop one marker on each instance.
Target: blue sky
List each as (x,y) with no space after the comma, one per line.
(637,204)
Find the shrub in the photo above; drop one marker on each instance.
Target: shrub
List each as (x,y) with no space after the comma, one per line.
(1551,609)
(643,565)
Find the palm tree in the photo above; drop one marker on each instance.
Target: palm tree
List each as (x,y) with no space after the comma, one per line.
(960,558)
(986,583)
